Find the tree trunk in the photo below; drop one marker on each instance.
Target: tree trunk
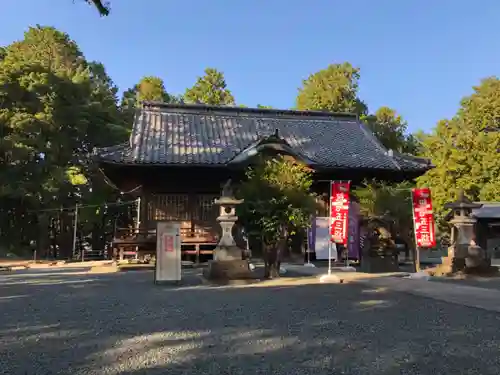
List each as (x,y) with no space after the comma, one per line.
(65,238)
(42,236)
(272,256)
(271,261)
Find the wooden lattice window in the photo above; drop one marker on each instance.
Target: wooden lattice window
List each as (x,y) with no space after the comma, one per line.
(169,207)
(206,210)
(204,216)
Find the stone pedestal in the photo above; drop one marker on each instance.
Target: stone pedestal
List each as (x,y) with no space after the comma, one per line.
(228,263)
(464,254)
(229,270)
(380,264)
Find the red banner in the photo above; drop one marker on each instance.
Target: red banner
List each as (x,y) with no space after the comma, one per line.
(168,243)
(423,218)
(339,211)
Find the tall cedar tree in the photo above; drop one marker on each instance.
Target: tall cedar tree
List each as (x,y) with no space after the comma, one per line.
(210,89)
(149,88)
(334,89)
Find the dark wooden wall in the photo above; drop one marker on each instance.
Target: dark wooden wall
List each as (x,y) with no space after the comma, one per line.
(186,193)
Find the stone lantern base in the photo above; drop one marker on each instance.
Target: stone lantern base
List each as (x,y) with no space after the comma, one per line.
(228,270)
(228,265)
(471,261)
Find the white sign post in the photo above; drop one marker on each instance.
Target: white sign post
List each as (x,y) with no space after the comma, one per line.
(168,252)
(329,277)
(323,245)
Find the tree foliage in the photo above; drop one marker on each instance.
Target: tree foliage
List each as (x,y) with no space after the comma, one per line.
(465,150)
(102,7)
(391,130)
(334,89)
(391,203)
(149,88)
(277,196)
(210,89)
(55,108)
(278,202)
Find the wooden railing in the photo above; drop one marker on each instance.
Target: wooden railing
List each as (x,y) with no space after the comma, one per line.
(140,242)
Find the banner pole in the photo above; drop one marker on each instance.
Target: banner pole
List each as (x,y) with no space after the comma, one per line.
(347,225)
(330,230)
(330,277)
(416,252)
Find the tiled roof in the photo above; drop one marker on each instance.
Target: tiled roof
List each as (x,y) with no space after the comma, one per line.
(489,210)
(207,135)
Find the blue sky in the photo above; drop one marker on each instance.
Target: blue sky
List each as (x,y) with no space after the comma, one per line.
(417,56)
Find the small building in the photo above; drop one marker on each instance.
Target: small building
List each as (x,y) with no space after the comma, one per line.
(179,156)
(488,228)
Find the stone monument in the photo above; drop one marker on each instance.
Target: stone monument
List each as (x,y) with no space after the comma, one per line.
(464,254)
(379,250)
(228,263)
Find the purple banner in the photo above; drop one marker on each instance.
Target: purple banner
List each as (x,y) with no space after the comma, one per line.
(311,235)
(353,231)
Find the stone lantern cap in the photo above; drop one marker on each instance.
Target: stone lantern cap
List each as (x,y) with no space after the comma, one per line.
(462,203)
(228,201)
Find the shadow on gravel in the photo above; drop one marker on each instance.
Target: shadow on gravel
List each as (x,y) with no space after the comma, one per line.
(56,323)
(480,282)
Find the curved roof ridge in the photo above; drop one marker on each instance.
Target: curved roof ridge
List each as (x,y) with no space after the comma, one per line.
(173,107)
(185,135)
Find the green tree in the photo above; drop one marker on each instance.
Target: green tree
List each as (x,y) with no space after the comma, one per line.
(277,203)
(55,108)
(102,6)
(149,88)
(464,152)
(391,130)
(334,89)
(264,106)
(152,89)
(210,89)
(388,202)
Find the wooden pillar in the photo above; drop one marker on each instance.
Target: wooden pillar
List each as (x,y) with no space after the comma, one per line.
(192,202)
(144,217)
(193,217)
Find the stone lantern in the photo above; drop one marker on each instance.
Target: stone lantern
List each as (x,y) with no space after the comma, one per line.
(228,263)
(226,248)
(464,253)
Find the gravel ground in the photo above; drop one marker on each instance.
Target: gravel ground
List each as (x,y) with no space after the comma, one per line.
(65,323)
(481,282)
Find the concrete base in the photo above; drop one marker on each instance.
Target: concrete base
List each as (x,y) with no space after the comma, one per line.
(331,279)
(379,264)
(228,270)
(168,282)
